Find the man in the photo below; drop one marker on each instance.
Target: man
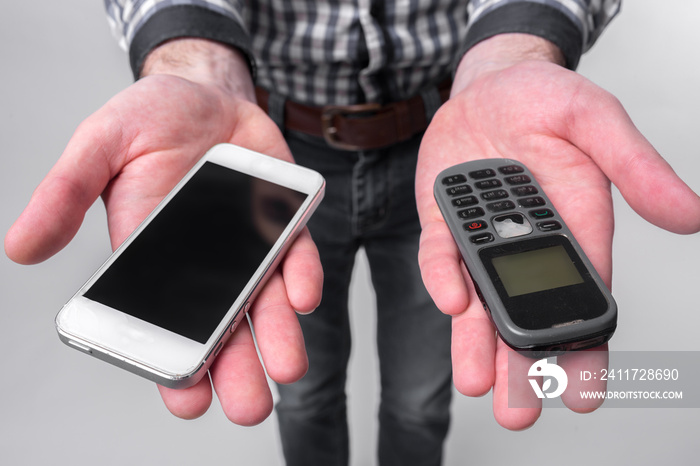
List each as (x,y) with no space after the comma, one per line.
(512,96)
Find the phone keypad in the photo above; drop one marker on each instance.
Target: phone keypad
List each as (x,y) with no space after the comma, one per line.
(542,213)
(510,169)
(474,212)
(488,184)
(475,225)
(493,195)
(454,179)
(551,225)
(498,192)
(481,174)
(481,238)
(528,190)
(459,190)
(518,179)
(465,201)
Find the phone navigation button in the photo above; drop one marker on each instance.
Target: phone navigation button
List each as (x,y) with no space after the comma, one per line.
(481,238)
(512,225)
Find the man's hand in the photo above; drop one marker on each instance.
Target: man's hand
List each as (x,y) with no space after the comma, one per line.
(511,100)
(132,152)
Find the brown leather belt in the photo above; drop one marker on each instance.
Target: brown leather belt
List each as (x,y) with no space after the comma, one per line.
(358,127)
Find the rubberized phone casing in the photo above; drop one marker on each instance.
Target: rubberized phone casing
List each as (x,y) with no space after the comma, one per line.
(497,211)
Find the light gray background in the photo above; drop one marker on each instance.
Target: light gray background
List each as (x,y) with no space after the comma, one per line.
(59,64)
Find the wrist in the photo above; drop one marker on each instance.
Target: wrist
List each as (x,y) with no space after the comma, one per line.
(501,52)
(204,62)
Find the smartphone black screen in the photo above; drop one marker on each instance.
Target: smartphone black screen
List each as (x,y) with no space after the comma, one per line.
(185,270)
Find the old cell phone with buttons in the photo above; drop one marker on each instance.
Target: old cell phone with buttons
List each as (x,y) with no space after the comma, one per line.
(166,300)
(534,280)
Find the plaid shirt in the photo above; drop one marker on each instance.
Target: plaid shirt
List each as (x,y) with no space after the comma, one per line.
(344,52)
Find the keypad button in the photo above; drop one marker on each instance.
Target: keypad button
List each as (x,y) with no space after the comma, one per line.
(481,174)
(518,179)
(468,214)
(529,202)
(465,201)
(511,225)
(528,190)
(476,225)
(481,238)
(454,179)
(542,213)
(459,190)
(488,184)
(550,225)
(494,195)
(510,169)
(500,206)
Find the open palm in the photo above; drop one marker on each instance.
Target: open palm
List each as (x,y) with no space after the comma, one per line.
(575,138)
(132,152)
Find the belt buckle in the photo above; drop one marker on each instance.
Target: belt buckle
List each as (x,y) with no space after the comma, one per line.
(330,131)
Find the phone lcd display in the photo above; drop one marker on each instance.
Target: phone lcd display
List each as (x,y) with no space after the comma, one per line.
(538,270)
(184,271)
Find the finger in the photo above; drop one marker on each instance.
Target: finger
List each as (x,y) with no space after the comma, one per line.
(577,363)
(603,130)
(278,333)
(473,351)
(441,270)
(239,380)
(515,404)
(57,207)
(303,274)
(586,206)
(189,403)
(301,268)
(254,122)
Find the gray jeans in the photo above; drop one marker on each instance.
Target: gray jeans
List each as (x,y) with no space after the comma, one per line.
(369,203)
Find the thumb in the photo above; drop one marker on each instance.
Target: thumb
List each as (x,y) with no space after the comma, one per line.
(603,130)
(57,207)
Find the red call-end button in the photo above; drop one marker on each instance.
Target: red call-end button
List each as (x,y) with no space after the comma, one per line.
(475,225)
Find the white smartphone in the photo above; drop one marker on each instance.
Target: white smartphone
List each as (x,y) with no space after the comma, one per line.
(167,299)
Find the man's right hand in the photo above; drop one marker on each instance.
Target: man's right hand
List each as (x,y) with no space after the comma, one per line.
(132,152)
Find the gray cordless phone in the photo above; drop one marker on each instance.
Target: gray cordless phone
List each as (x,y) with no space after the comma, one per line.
(534,280)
